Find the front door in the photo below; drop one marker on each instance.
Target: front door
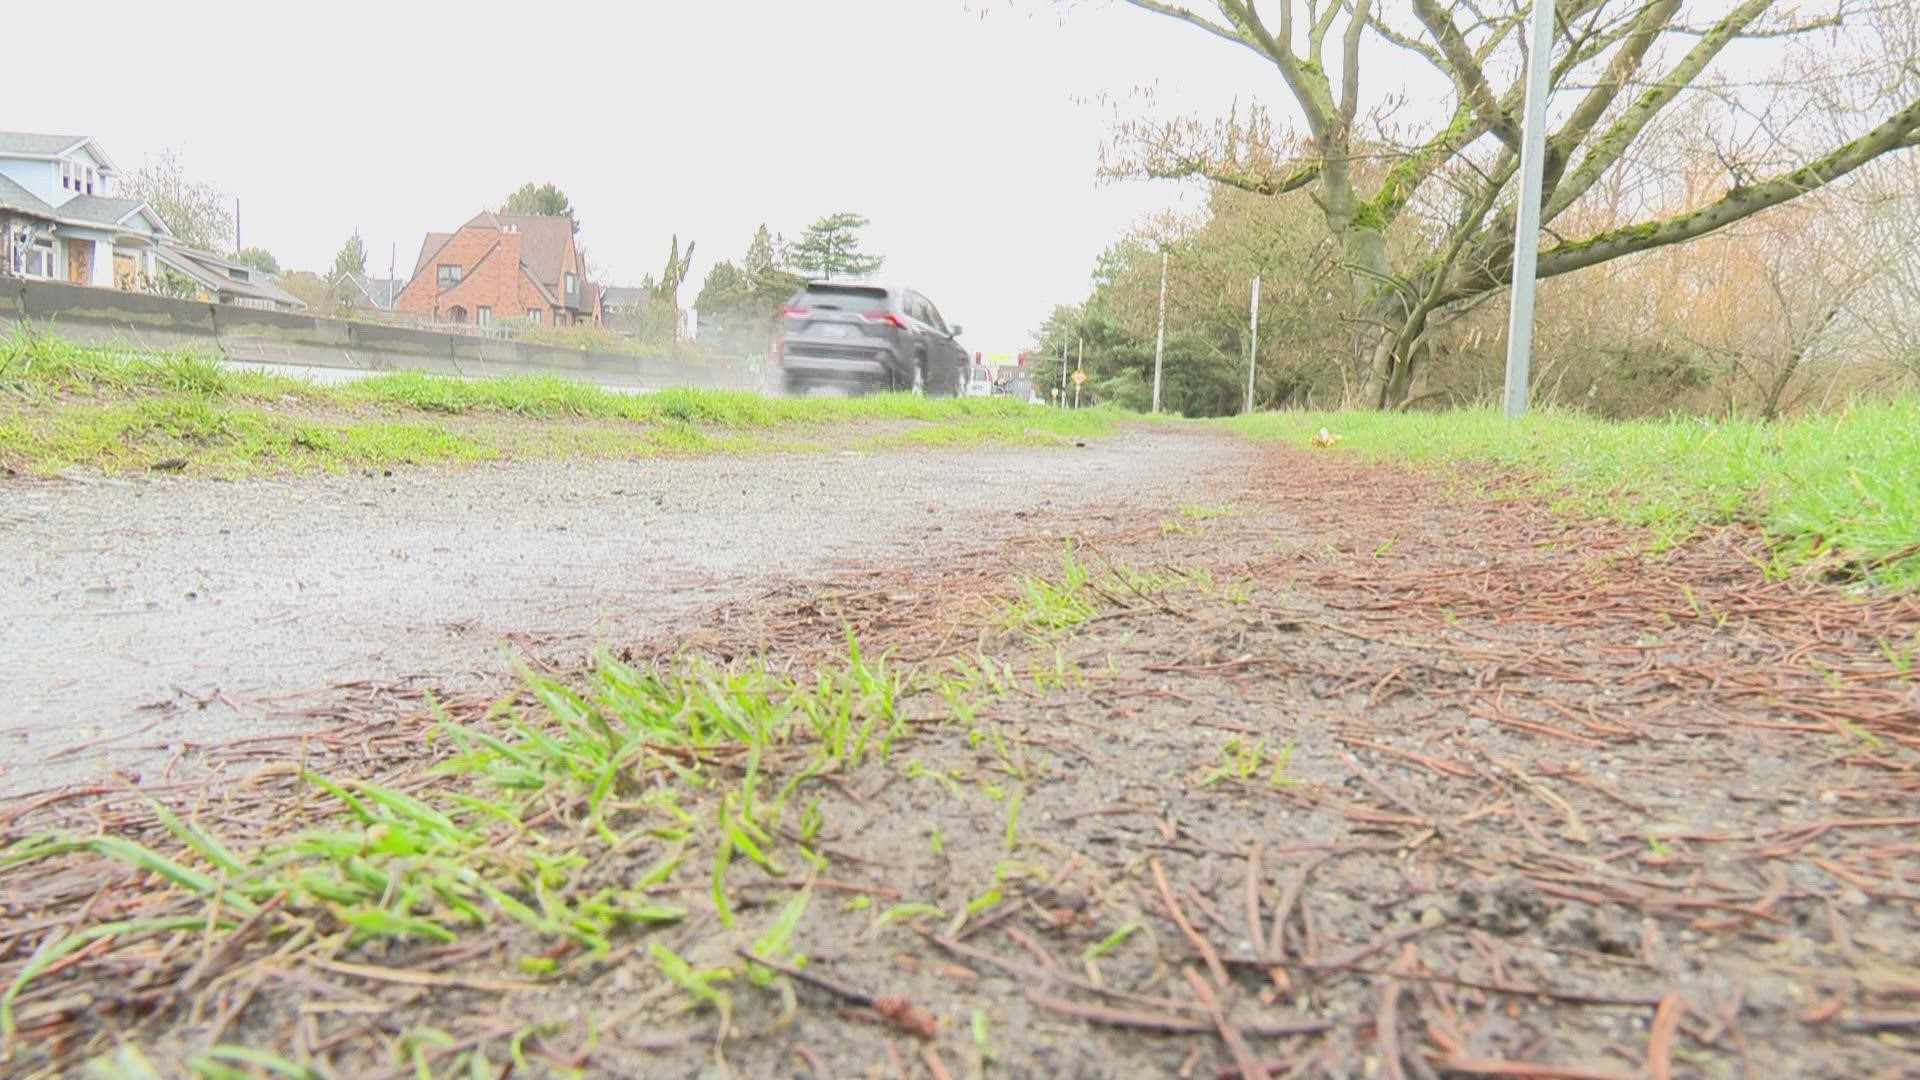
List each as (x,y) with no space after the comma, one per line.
(80,262)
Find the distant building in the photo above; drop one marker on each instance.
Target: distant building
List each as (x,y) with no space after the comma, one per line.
(502,266)
(60,219)
(220,280)
(623,308)
(374,292)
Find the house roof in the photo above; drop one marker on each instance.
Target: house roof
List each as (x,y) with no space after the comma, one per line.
(545,293)
(216,274)
(622,296)
(380,291)
(429,248)
(27,144)
(15,197)
(543,243)
(97,211)
(30,145)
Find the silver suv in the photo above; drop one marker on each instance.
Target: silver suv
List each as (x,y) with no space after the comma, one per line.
(867,337)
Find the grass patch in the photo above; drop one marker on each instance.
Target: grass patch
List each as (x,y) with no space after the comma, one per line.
(624,755)
(576,825)
(64,405)
(1047,606)
(1839,488)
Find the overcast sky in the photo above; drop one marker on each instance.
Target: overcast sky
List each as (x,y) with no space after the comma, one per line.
(970,139)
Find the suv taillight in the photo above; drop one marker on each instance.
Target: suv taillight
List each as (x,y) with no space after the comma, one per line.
(887,317)
(792,312)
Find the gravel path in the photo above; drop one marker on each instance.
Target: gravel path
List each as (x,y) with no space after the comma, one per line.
(140,614)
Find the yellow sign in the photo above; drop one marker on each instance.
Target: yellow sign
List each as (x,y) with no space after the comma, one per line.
(1079,376)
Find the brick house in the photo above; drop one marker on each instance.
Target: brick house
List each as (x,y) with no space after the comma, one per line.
(498,267)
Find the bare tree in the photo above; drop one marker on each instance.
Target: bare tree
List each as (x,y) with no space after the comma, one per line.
(1618,67)
(197,214)
(1882,318)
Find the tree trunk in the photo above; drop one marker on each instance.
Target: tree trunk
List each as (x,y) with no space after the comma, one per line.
(1400,386)
(1380,308)
(1771,409)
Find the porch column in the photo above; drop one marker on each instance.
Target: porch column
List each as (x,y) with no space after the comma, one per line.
(102,269)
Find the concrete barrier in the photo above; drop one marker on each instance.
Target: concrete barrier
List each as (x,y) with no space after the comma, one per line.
(279,337)
(251,335)
(400,348)
(110,317)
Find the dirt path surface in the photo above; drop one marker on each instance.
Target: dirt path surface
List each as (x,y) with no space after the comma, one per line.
(144,616)
(1306,768)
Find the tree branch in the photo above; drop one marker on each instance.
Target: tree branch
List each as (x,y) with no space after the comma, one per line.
(1412,44)
(1300,177)
(1625,130)
(1317,32)
(1175,11)
(1737,204)
(1467,76)
(1315,108)
(1646,30)
(1350,64)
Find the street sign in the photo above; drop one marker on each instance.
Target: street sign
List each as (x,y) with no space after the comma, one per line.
(1079,377)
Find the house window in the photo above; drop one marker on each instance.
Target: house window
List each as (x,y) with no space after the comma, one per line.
(66,174)
(483,315)
(533,315)
(36,259)
(90,175)
(573,286)
(448,275)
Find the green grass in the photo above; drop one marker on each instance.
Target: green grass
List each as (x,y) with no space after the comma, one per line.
(1840,489)
(64,405)
(620,750)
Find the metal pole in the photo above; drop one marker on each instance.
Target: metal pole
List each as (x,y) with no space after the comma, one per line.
(1526,225)
(1080,364)
(1063,366)
(1253,353)
(1160,332)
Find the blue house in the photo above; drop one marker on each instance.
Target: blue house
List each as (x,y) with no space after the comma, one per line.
(60,219)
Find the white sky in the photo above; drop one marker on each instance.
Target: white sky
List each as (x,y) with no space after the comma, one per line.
(970,140)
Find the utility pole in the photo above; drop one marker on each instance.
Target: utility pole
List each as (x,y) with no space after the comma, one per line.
(1063,365)
(237,246)
(1253,352)
(1160,332)
(1526,226)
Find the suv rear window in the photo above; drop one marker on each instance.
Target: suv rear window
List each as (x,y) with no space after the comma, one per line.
(844,298)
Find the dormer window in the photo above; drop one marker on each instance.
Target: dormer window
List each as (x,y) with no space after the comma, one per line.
(90,177)
(66,175)
(447,275)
